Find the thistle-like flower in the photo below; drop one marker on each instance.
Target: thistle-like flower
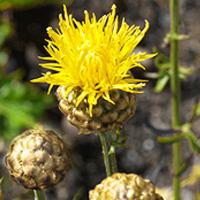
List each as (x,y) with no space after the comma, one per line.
(122,186)
(37,159)
(90,61)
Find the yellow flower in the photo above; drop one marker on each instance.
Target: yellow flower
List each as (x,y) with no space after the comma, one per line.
(94,55)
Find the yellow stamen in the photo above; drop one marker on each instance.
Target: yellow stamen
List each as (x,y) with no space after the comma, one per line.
(94,55)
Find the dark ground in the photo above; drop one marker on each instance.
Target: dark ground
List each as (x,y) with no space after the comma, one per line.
(143,154)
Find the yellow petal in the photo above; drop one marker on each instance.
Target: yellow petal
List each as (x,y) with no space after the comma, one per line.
(95,55)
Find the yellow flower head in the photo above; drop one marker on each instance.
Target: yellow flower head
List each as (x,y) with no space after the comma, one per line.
(94,55)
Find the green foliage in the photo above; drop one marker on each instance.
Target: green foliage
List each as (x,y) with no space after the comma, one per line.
(4,4)
(78,194)
(5,31)
(185,133)
(1,180)
(170,36)
(118,140)
(161,83)
(3,58)
(1,193)
(193,177)
(21,105)
(197,196)
(39,195)
(163,65)
(164,72)
(198,110)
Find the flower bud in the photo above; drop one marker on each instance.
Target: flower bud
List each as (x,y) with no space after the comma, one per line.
(37,159)
(122,186)
(106,116)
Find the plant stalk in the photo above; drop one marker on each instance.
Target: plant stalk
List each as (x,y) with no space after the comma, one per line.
(175,89)
(112,153)
(109,158)
(39,195)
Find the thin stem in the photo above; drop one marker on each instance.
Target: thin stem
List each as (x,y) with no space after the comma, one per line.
(175,88)
(1,192)
(112,154)
(109,157)
(114,162)
(39,195)
(175,83)
(105,150)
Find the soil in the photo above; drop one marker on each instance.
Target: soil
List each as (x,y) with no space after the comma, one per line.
(143,154)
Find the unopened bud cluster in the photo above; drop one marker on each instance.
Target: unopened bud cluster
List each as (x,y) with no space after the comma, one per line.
(37,159)
(105,115)
(122,186)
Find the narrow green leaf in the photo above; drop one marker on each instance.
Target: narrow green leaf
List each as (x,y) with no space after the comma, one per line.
(5,30)
(161,83)
(39,195)
(170,139)
(193,140)
(177,36)
(1,193)
(3,58)
(198,110)
(5,4)
(78,195)
(111,150)
(21,106)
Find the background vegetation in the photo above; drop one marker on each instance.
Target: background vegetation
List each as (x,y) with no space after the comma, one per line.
(22,105)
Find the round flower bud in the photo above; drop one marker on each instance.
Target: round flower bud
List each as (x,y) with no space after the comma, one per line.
(122,186)
(105,115)
(37,159)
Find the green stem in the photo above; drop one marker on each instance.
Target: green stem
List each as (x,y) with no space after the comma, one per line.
(112,153)
(39,195)
(175,88)
(1,192)
(109,158)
